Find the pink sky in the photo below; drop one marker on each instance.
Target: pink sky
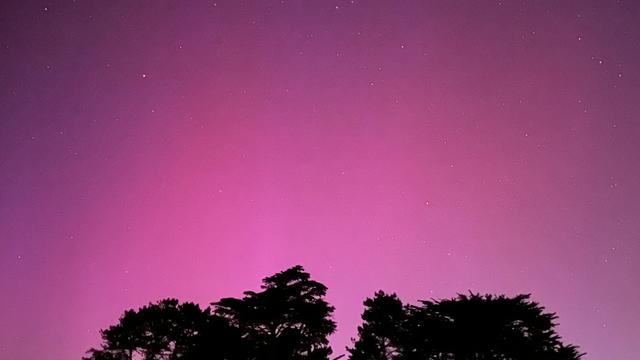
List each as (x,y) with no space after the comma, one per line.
(157,149)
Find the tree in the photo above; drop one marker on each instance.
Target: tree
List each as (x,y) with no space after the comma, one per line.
(168,330)
(379,335)
(473,327)
(288,319)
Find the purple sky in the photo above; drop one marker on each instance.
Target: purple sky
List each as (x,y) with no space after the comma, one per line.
(151,149)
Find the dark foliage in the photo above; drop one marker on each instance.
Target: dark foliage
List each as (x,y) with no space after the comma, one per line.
(289,319)
(168,330)
(473,327)
(379,335)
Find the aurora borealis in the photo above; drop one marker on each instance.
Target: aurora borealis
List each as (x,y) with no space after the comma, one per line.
(153,149)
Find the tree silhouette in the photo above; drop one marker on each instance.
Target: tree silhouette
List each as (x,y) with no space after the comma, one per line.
(474,327)
(168,330)
(379,335)
(288,319)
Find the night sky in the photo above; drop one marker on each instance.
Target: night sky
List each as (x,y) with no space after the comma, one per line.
(153,149)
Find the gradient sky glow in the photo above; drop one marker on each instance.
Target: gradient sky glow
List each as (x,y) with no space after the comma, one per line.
(153,149)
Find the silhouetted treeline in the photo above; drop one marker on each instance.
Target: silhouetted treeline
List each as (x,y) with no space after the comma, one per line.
(289,319)
(473,327)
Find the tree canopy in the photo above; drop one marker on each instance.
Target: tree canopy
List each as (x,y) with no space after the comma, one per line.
(467,327)
(168,330)
(289,319)
(383,318)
